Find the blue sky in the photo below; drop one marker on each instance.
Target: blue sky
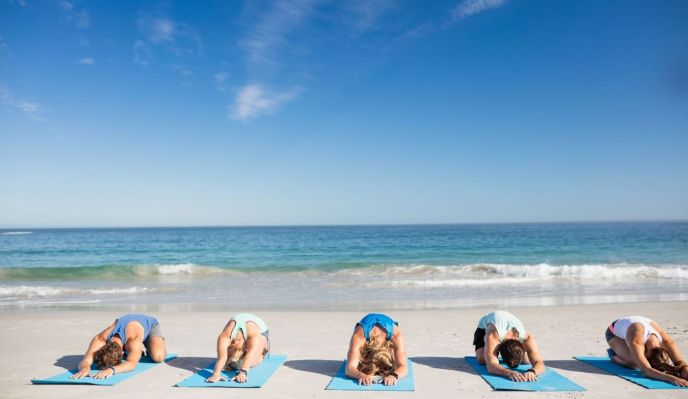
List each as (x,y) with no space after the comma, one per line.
(325,112)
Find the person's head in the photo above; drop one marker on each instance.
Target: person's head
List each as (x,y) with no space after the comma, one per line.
(235,355)
(512,352)
(377,357)
(109,355)
(659,360)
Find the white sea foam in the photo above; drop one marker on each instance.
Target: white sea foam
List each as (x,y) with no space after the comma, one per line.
(15,233)
(32,291)
(539,271)
(176,269)
(484,275)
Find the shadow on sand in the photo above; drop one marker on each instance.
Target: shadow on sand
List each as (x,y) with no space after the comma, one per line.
(318,366)
(192,363)
(574,365)
(68,362)
(444,363)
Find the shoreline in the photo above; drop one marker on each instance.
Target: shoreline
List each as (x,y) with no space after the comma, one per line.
(458,304)
(40,343)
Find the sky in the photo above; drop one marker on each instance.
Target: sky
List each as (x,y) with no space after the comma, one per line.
(143,113)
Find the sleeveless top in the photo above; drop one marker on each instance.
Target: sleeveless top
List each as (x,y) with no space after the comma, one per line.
(621,326)
(377,319)
(123,321)
(503,322)
(240,321)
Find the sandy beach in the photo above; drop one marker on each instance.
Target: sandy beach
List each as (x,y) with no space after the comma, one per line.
(41,343)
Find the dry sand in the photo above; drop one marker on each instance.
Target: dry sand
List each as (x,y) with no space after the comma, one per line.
(38,343)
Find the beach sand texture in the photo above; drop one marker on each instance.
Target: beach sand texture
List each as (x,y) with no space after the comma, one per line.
(39,343)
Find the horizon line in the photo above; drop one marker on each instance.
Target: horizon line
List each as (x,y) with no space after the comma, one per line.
(343,224)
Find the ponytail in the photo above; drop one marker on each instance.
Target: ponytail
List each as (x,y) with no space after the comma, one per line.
(659,360)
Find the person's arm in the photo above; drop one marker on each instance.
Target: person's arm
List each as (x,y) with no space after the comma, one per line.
(97,342)
(354,356)
(223,341)
(672,348)
(637,347)
(536,362)
(492,358)
(254,350)
(401,366)
(133,356)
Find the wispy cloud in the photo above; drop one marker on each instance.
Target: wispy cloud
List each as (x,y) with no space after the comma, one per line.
(267,40)
(176,38)
(366,13)
(254,100)
(74,14)
(29,108)
(471,7)
(221,81)
(86,61)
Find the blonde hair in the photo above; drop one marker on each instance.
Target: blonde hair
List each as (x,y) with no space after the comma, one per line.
(659,360)
(377,357)
(235,355)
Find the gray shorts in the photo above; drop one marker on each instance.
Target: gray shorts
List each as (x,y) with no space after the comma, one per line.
(154,332)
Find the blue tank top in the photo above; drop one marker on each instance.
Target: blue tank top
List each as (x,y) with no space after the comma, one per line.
(377,319)
(123,321)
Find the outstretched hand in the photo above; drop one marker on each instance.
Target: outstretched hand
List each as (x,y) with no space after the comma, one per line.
(240,378)
(365,380)
(107,373)
(81,373)
(679,382)
(216,378)
(522,377)
(389,380)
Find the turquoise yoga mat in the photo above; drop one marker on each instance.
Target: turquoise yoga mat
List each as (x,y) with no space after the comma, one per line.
(257,376)
(632,375)
(65,378)
(341,382)
(549,381)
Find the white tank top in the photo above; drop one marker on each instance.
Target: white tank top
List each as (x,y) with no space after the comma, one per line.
(622,325)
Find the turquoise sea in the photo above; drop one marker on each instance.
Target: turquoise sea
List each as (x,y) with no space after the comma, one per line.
(345,267)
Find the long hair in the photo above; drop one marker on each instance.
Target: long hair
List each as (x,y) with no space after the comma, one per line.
(377,357)
(235,356)
(659,360)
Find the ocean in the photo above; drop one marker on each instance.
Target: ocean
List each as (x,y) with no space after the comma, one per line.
(344,267)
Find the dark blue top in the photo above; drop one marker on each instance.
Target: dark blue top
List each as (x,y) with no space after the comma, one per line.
(123,321)
(377,319)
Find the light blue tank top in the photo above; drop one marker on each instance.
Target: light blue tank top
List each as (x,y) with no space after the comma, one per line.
(377,319)
(240,321)
(123,321)
(503,322)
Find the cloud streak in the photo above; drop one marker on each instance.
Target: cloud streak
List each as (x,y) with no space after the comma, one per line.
(254,100)
(163,32)
(29,108)
(76,15)
(221,81)
(366,13)
(472,7)
(268,37)
(86,61)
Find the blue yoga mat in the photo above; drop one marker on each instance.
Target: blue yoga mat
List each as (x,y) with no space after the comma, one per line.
(341,382)
(549,381)
(65,378)
(257,376)
(632,375)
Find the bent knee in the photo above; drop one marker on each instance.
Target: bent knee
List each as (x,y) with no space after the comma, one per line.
(157,357)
